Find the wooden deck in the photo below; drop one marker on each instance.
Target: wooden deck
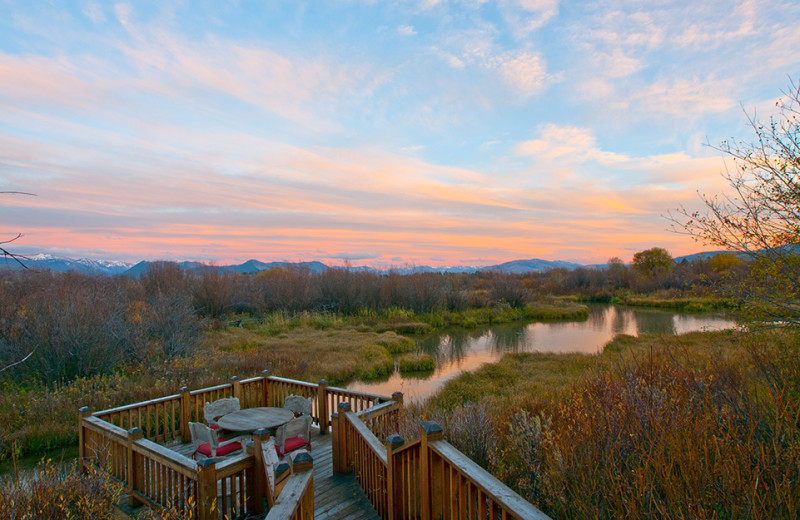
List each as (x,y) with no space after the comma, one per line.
(336,497)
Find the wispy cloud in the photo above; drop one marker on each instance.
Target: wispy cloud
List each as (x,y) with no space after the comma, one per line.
(424,132)
(568,144)
(406,30)
(525,16)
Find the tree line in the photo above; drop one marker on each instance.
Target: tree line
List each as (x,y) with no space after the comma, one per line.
(77,325)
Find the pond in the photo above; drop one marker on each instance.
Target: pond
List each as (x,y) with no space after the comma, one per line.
(462,350)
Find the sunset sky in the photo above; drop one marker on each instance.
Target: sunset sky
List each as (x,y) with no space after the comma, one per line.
(385,133)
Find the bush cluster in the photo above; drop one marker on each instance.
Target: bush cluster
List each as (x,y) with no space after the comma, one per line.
(690,431)
(59,492)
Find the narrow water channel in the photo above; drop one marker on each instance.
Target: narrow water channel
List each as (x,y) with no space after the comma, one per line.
(465,350)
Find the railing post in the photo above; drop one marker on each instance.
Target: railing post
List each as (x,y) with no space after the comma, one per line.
(83,412)
(186,413)
(302,460)
(395,417)
(344,461)
(397,397)
(261,487)
(265,398)
(237,388)
(207,489)
(430,484)
(335,443)
(322,406)
(393,491)
(135,468)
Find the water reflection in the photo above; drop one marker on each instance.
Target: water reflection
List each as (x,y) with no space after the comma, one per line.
(462,350)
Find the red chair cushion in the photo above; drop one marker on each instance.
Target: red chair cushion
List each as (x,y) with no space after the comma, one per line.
(292,444)
(205,448)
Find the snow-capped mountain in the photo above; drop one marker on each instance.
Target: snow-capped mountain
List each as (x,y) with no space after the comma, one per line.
(62,264)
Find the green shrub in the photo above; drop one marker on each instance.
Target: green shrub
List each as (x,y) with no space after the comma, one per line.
(395,344)
(562,311)
(416,363)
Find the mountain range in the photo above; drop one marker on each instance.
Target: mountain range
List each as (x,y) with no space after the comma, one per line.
(111,268)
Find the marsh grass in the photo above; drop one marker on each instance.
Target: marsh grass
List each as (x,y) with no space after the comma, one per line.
(333,354)
(416,363)
(514,380)
(681,303)
(504,313)
(705,425)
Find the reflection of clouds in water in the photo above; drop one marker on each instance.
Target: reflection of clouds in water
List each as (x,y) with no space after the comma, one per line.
(688,323)
(462,350)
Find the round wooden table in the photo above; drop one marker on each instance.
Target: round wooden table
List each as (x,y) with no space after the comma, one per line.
(252,419)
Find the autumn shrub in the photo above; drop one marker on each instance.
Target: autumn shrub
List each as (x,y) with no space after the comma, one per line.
(59,491)
(72,325)
(700,426)
(658,439)
(471,427)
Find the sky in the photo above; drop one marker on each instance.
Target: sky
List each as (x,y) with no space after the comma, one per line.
(382,133)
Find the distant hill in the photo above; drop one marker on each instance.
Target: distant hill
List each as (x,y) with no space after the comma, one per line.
(254,266)
(528,266)
(84,265)
(81,265)
(706,256)
(251,266)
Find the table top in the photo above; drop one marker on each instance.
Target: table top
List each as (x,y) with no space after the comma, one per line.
(252,419)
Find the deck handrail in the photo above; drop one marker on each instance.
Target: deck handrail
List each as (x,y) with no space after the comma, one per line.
(507,499)
(358,393)
(167,418)
(425,478)
(125,408)
(370,440)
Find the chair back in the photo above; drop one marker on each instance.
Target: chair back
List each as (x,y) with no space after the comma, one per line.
(271,460)
(220,407)
(298,404)
(201,433)
(297,427)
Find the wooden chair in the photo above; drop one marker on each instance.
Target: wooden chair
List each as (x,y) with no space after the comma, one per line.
(220,407)
(294,435)
(298,404)
(206,442)
(271,461)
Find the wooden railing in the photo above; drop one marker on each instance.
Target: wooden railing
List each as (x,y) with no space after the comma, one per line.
(126,441)
(426,478)
(296,501)
(167,418)
(159,477)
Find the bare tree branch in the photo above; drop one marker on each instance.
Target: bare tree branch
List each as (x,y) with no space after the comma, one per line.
(6,253)
(18,362)
(760,216)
